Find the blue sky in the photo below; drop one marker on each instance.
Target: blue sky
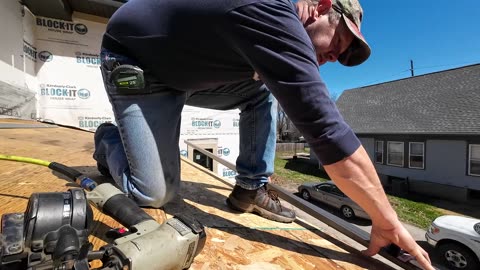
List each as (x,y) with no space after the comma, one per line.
(435,34)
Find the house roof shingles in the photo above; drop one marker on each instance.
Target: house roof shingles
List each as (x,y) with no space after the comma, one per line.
(446,102)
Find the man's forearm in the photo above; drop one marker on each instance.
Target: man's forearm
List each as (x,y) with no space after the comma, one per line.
(357,178)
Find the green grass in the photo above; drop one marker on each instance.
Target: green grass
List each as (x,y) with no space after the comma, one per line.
(298,171)
(415,213)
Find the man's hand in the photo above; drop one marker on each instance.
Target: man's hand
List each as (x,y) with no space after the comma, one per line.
(356,177)
(399,236)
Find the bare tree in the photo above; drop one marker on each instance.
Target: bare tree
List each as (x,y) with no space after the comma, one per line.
(282,123)
(286,130)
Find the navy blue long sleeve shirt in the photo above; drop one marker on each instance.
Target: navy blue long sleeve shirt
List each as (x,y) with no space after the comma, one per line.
(196,45)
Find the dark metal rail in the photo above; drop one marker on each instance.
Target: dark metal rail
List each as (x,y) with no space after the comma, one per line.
(333,221)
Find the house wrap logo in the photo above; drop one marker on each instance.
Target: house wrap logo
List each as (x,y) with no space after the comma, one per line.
(63,92)
(205,123)
(45,56)
(29,51)
(228,173)
(62,26)
(83,93)
(88,59)
(81,28)
(223,151)
(92,122)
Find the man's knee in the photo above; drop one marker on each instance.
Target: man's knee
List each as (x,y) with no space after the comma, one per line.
(157,196)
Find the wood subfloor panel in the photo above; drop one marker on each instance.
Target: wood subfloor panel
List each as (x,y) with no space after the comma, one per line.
(234,240)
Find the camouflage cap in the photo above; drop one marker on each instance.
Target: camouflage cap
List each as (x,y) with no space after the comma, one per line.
(359,50)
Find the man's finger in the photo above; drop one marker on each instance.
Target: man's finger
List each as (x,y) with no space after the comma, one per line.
(421,256)
(304,13)
(372,249)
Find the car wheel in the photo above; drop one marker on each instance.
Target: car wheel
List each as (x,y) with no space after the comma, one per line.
(306,195)
(456,256)
(347,212)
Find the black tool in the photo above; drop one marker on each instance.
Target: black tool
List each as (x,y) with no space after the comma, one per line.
(53,232)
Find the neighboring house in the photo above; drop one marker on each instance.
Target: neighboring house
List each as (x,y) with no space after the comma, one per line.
(422,133)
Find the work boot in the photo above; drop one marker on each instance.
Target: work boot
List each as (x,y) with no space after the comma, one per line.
(261,201)
(105,129)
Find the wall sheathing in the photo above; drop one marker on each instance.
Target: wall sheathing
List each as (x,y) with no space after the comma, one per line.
(49,71)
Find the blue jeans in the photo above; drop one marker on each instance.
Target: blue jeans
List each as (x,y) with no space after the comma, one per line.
(142,151)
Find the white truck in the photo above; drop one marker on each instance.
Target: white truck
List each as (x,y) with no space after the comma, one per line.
(457,240)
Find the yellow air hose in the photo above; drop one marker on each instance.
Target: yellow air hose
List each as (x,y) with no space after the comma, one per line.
(73,174)
(25,160)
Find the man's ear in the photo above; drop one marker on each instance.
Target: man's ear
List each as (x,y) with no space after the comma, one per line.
(324,6)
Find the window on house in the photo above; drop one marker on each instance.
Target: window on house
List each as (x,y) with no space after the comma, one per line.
(379,152)
(417,154)
(474,160)
(395,153)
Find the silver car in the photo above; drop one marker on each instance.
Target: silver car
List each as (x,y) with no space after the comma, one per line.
(329,193)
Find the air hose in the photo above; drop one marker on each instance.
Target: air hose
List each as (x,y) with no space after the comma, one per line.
(127,212)
(74,175)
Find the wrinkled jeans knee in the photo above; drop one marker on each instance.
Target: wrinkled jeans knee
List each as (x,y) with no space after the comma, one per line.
(156,195)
